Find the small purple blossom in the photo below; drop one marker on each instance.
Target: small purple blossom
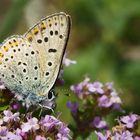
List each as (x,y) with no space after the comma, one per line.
(99,123)
(73,106)
(38,137)
(61,137)
(2,87)
(9,116)
(103,137)
(118,107)
(67,62)
(115,98)
(108,101)
(130,120)
(137,138)
(12,136)
(3,131)
(60,82)
(49,121)
(63,132)
(19,132)
(109,85)
(32,124)
(95,87)
(104,101)
(126,135)
(15,106)
(79,88)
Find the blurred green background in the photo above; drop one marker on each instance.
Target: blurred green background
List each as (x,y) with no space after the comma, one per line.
(104,40)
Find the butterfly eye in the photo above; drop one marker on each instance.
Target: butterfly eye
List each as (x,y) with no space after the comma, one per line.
(51,94)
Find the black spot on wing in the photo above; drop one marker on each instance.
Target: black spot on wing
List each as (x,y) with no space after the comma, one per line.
(61,36)
(24,70)
(51,33)
(46,39)
(19,63)
(56,32)
(13,76)
(52,50)
(39,41)
(35,67)
(49,63)
(47,73)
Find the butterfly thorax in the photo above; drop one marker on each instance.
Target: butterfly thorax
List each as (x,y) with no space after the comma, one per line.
(38,99)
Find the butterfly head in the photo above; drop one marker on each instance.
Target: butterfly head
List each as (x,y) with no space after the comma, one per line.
(49,102)
(44,100)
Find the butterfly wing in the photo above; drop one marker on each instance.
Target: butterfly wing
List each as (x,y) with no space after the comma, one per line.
(29,64)
(49,39)
(16,55)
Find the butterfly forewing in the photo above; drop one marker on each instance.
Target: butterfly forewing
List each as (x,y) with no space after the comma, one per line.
(49,38)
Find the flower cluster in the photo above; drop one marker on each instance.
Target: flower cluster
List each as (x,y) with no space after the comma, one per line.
(127,129)
(96,100)
(105,94)
(14,126)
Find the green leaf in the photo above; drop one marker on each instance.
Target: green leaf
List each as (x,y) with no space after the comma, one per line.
(2,108)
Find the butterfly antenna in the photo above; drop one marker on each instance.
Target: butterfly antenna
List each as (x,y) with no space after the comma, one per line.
(59,114)
(52,111)
(41,110)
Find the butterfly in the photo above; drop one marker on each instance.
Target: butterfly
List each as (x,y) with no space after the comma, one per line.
(30,63)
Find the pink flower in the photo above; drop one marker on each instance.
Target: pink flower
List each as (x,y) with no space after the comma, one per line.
(32,124)
(73,106)
(9,116)
(115,98)
(61,137)
(3,131)
(126,135)
(20,133)
(38,137)
(137,138)
(96,87)
(12,136)
(67,62)
(109,85)
(104,101)
(103,137)
(79,88)
(64,130)
(130,120)
(2,87)
(49,121)
(99,123)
